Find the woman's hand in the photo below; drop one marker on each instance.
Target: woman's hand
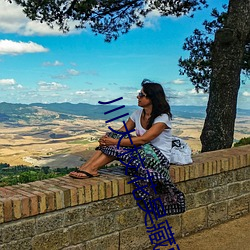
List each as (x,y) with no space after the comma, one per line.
(101,140)
(107,141)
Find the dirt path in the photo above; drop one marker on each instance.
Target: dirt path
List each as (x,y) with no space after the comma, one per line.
(233,235)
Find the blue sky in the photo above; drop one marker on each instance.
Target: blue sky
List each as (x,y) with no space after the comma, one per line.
(38,64)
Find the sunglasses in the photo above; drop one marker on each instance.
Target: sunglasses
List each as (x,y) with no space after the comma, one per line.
(140,94)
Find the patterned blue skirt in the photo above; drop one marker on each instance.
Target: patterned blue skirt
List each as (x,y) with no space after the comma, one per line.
(148,169)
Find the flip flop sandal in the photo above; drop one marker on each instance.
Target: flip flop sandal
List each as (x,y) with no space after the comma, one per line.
(87,175)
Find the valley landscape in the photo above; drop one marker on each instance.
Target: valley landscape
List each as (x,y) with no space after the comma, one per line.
(65,135)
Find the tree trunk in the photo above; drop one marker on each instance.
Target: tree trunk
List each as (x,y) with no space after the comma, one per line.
(227,56)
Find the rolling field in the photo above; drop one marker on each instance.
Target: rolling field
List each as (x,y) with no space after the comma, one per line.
(70,142)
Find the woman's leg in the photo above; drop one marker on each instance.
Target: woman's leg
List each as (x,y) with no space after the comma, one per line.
(92,159)
(98,160)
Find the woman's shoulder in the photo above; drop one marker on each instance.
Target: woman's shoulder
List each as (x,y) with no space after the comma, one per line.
(163,116)
(137,112)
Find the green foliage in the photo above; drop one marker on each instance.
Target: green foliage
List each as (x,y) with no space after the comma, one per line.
(23,174)
(108,17)
(242,142)
(198,66)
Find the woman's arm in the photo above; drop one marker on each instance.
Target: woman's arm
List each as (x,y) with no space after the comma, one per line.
(151,134)
(129,124)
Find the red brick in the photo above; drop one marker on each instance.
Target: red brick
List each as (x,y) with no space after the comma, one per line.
(43,193)
(50,200)
(38,184)
(33,200)
(66,195)
(7,209)
(187,173)
(219,166)
(25,206)
(114,184)
(94,182)
(78,184)
(248,159)
(196,170)
(121,185)
(107,187)
(201,170)
(17,210)
(192,171)
(205,169)
(128,187)
(95,191)
(214,166)
(115,189)
(210,168)
(50,195)
(6,192)
(73,195)
(41,201)
(59,197)
(172,173)
(87,193)
(1,211)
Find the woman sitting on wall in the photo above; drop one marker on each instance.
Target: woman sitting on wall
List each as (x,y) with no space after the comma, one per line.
(149,164)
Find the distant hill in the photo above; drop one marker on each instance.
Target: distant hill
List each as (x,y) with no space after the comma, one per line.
(10,112)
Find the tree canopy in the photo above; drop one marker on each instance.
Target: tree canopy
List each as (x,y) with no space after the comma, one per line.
(108,17)
(198,67)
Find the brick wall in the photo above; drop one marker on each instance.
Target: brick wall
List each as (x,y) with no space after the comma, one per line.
(101,213)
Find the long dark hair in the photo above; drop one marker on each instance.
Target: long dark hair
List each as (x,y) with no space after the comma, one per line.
(155,93)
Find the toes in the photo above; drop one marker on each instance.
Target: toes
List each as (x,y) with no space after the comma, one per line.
(76,174)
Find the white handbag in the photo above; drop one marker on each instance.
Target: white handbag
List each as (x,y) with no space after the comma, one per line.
(180,152)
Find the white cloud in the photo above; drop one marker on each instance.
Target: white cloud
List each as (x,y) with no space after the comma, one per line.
(13,20)
(51,86)
(152,19)
(60,76)
(180,93)
(73,72)
(100,89)
(10,84)
(19,86)
(246,93)
(55,63)
(178,81)
(194,92)
(7,82)
(186,97)
(80,92)
(15,48)
(127,88)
